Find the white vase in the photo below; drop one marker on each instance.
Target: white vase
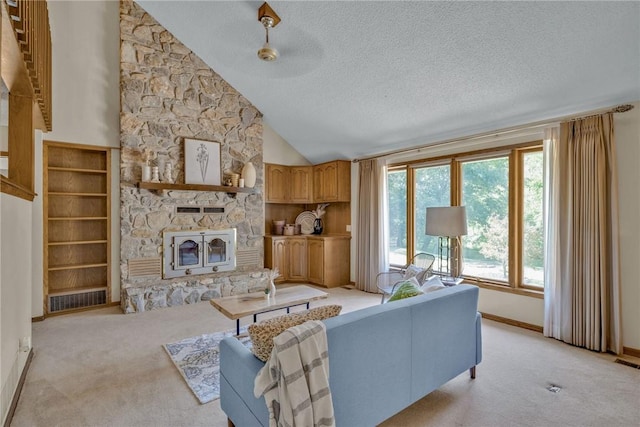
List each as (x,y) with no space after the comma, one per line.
(249,175)
(146,173)
(272,289)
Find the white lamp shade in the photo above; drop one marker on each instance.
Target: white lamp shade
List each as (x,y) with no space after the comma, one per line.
(450,221)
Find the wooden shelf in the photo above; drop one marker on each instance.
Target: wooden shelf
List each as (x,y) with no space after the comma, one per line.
(71,291)
(77,242)
(194,187)
(78,194)
(77,266)
(78,218)
(79,170)
(77,229)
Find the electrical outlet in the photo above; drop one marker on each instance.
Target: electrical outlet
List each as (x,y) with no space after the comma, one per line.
(349,227)
(25,344)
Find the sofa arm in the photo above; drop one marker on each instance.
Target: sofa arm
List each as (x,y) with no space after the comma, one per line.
(238,370)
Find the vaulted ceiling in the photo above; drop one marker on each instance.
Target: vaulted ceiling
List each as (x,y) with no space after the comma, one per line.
(358,78)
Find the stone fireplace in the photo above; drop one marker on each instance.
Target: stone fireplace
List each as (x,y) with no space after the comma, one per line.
(169,94)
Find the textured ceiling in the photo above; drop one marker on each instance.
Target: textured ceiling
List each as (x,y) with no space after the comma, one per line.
(359,78)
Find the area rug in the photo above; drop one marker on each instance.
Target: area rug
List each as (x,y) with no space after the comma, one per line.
(198,360)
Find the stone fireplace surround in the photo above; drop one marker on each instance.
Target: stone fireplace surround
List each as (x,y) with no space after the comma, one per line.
(168,94)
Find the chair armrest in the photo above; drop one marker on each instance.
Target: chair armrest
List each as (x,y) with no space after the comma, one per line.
(386,281)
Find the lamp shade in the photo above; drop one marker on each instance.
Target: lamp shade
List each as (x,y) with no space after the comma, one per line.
(450,221)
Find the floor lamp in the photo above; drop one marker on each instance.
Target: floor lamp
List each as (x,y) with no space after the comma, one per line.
(447,223)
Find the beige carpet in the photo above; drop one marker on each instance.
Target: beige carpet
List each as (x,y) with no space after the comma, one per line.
(103,368)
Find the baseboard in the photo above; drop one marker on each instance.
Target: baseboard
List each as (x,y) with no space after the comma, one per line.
(512,322)
(37,319)
(16,396)
(629,351)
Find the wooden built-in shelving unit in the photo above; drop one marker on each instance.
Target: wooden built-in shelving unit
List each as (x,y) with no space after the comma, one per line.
(77,222)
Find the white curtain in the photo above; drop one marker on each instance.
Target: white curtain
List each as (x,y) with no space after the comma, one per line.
(553,298)
(371,245)
(582,273)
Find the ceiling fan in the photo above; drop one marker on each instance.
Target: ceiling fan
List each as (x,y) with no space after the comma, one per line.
(269,19)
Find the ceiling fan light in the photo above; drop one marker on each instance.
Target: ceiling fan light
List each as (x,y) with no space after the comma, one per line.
(268,53)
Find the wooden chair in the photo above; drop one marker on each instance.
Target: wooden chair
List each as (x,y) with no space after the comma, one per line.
(387,280)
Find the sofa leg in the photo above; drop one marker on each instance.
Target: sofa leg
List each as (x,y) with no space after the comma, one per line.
(472,372)
(230,423)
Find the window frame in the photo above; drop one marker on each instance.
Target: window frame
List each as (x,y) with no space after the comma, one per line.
(515,154)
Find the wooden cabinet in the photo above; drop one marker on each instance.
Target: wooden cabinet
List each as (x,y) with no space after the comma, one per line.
(315,270)
(288,254)
(277,183)
(324,183)
(297,252)
(323,260)
(76,208)
(332,182)
(288,184)
(328,260)
(301,184)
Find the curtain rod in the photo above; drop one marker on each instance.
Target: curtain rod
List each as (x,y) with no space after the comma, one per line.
(617,109)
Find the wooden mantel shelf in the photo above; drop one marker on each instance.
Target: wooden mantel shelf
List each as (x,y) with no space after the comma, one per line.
(194,187)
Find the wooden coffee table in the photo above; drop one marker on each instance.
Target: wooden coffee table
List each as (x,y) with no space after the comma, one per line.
(237,306)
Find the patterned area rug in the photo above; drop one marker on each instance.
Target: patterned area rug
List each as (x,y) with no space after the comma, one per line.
(198,360)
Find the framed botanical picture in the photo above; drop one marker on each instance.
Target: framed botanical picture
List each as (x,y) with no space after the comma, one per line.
(202,162)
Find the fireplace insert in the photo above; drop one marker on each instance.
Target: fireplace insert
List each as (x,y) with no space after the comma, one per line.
(190,252)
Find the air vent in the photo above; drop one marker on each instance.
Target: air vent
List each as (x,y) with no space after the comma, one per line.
(213,210)
(627,363)
(187,209)
(141,267)
(247,258)
(195,210)
(71,301)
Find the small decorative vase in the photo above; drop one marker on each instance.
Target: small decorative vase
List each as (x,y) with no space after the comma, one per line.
(249,175)
(146,173)
(272,289)
(168,173)
(317,226)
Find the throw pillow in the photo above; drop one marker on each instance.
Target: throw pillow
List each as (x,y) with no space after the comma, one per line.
(263,333)
(433,283)
(412,271)
(406,290)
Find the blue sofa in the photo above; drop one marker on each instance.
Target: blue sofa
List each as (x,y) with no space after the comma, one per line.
(381,358)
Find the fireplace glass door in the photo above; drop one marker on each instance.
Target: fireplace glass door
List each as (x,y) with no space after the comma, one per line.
(188,253)
(216,251)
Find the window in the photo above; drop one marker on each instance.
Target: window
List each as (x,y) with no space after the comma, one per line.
(502,190)
(432,188)
(397,226)
(532,211)
(485,193)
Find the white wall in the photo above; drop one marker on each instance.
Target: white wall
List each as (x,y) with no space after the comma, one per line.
(627,134)
(86,102)
(86,69)
(15,293)
(37,293)
(277,150)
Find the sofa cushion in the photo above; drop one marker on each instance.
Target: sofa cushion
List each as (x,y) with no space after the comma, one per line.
(263,333)
(406,289)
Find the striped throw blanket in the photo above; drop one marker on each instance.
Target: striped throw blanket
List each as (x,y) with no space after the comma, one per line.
(295,379)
